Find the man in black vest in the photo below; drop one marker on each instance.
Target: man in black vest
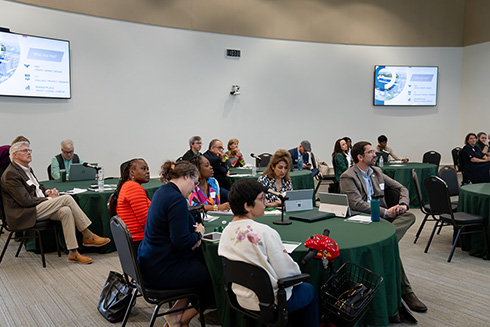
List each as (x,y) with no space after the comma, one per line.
(64,159)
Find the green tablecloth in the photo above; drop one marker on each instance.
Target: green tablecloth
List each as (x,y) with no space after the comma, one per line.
(302,179)
(402,173)
(373,246)
(475,198)
(94,204)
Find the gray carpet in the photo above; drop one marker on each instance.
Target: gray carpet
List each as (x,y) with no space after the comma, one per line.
(66,294)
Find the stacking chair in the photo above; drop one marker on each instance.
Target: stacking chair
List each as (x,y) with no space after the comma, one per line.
(25,234)
(265,158)
(129,263)
(455,155)
(432,157)
(440,204)
(50,177)
(257,279)
(450,176)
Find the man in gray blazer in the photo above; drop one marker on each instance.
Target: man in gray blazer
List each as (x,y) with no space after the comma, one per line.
(25,201)
(361,182)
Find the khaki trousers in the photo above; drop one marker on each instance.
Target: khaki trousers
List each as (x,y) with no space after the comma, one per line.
(66,210)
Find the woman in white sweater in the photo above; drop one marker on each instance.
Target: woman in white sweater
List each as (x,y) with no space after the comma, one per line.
(258,244)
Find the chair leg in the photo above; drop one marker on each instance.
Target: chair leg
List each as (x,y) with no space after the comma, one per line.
(38,232)
(19,248)
(5,246)
(431,236)
(454,245)
(440,228)
(154,315)
(318,186)
(201,312)
(128,310)
(420,228)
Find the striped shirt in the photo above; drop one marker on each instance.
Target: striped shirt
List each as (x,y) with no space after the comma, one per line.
(132,207)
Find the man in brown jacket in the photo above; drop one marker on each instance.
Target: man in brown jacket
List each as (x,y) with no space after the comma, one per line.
(25,201)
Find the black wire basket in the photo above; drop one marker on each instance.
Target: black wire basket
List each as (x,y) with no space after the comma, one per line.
(348,292)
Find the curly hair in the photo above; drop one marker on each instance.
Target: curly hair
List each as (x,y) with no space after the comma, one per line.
(172,170)
(280,155)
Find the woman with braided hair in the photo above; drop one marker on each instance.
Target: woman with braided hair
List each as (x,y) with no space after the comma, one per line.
(132,202)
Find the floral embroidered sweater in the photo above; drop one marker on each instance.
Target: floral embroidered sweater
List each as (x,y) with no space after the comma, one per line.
(255,243)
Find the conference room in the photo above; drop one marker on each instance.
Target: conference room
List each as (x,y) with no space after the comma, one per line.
(145,77)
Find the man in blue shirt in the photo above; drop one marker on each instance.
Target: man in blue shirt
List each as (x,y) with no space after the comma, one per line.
(301,151)
(64,159)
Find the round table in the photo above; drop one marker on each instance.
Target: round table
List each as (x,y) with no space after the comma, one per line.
(373,246)
(402,172)
(94,205)
(302,179)
(475,198)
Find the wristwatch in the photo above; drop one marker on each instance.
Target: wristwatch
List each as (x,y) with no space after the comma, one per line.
(215,207)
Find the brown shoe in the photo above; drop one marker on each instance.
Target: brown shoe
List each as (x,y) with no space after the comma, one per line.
(80,259)
(414,303)
(96,241)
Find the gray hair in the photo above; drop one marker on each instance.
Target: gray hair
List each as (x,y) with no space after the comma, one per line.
(194,139)
(15,147)
(213,143)
(67,144)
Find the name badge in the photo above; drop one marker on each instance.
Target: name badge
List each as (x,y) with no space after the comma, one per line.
(29,182)
(382,186)
(212,195)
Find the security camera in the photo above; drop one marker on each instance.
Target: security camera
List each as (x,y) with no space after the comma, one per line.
(235,90)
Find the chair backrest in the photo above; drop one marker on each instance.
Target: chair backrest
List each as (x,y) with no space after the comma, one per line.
(450,176)
(256,279)
(432,157)
(438,194)
(49,173)
(112,205)
(266,157)
(126,252)
(462,165)
(418,190)
(455,155)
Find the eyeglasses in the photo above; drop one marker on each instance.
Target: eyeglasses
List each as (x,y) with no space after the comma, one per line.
(25,150)
(196,181)
(68,152)
(370,152)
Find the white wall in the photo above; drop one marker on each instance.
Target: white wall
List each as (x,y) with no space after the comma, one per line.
(140,90)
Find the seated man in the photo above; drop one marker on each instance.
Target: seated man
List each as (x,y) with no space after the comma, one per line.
(195,143)
(362,181)
(301,151)
(216,157)
(64,159)
(382,147)
(26,201)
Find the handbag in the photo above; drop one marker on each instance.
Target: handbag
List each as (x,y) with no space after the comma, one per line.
(352,299)
(115,297)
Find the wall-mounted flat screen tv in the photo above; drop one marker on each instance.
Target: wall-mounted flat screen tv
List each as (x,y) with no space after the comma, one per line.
(405,85)
(32,66)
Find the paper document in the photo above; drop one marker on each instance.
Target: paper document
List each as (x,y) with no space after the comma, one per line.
(223,213)
(290,246)
(359,219)
(76,190)
(272,213)
(209,218)
(241,175)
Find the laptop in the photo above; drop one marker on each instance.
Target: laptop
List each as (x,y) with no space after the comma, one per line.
(78,172)
(311,216)
(299,200)
(337,204)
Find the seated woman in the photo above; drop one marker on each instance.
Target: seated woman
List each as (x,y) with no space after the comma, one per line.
(476,165)
(276,176)
(339,158)
(233,156)
(482,142)
(168,255)
(132,202)
(245,240)
(207,192)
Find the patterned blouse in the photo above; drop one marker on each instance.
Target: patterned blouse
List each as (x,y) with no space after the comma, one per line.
(198,196)
(270,183)
(236,160)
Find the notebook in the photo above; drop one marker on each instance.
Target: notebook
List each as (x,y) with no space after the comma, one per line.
(299,200)
(311,216)
(78,172)
(337,204)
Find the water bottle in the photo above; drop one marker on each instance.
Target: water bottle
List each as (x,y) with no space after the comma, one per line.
(375,209)
(100,179)
(381,161)
(300,163)
(254,170)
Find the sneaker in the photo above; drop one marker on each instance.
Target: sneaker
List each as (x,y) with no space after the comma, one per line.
(80,259)
(96,241)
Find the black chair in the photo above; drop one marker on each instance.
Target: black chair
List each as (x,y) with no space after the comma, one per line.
(265,158)
(432,157)
(256,279)
(450,176)
(440,204)
(112,205)
(49,173)
(462,166)
(24,234)
(455,156)
(129,263)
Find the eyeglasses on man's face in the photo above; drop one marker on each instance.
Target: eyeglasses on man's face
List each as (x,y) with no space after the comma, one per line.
(24,151)
(68,152)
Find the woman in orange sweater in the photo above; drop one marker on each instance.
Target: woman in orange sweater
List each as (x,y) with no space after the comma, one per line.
(132,202)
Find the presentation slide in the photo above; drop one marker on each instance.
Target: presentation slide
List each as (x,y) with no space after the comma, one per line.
(405,86)
(34,67)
